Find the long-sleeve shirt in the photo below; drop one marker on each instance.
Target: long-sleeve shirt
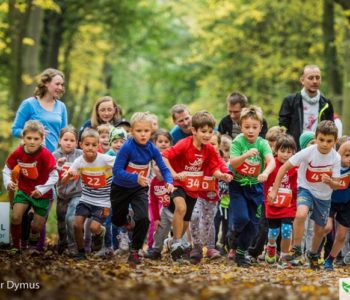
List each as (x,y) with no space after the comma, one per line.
(53,120)
(134,159)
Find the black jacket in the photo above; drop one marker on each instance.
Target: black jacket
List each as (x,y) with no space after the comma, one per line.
(291,114)
(226,126)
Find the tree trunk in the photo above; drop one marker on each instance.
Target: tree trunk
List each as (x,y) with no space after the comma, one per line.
(332,71)
(17,30)
(346,103)
(31,52)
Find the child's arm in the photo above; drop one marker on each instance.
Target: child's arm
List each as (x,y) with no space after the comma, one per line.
(48,185)
(334,183)
(6,176)
(176,176)
(270,166)
(281,172)
(238,160)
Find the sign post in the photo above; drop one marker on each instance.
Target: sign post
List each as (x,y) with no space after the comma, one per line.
(4,222)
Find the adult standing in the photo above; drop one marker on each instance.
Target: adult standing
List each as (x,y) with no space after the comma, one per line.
(183,122)
(303,110)
(230,124)
(44,107)
(105,111)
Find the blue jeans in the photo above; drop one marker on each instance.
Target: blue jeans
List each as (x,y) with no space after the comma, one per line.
(244,212)
(111,232)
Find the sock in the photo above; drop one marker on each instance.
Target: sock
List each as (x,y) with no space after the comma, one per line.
(16,233)
(271,245)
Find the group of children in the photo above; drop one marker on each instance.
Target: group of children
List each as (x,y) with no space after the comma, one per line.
(120,187)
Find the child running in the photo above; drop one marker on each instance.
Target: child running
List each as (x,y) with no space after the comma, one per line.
(130,181)
(318,175)
(188,160)
(38,175)
(340,206)
(68,195)
(252,161)
(95,171)
(281,212)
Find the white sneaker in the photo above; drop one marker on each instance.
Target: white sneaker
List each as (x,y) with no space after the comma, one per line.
(123,239)
(167,244)
(101,252)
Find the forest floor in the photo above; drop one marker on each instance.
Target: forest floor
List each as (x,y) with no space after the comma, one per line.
(59,277)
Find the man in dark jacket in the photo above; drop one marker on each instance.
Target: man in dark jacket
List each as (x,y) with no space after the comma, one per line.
(302,111)
(230,124)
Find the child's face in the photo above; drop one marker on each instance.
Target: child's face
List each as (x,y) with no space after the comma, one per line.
(68,142)
(226,156)
(154,125)
(214,142)
(32,141)
(89,146)
(345,159)
(251,129)
(225,145)
(325,142)
(284,154)
(104,141)
(162,143)
(141,131)
(202,135)
(117,144)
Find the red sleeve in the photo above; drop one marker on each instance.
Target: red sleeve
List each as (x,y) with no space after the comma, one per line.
(11,161)
(177,149)
(223,166)
(212,159)
(153,202)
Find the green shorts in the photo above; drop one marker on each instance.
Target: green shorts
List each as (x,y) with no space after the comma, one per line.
(40,206)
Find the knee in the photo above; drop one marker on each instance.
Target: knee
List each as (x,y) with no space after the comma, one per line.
(328,228)
(78,225)
(95,227)
(16,220)
(286,231)
(273,233)
(301,216)
(180,210)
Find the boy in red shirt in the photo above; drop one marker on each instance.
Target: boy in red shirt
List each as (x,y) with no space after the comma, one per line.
(187,161)
(37,177)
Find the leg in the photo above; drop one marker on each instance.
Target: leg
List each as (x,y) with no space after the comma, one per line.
(179,213)
(195,221)
(61,211)
(298,225)
(78,231)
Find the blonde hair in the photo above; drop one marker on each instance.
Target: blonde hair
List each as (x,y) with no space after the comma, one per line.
(45,77)
(89,132)
(33,126)
(95,119)
(274,132)
(141,117)
(104,128)
(253,112)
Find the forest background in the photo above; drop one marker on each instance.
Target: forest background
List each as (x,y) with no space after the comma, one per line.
(151,54)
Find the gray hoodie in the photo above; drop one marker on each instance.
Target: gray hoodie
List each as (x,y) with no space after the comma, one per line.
(73,188)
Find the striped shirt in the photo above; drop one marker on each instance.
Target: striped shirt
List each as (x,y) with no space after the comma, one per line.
(96,179)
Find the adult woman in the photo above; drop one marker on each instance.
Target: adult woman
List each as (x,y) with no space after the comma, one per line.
(45,107)
(105,111)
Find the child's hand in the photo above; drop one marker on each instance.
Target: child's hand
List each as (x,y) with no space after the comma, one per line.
(156,225)
(226,177)
(325,178)
(170,188)
(262,177)
(61,161)
(35,194)
(180,176)
(12,186)
(271,197)
(252,152)
(143,181)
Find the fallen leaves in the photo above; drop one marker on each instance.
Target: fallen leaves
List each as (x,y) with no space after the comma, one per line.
(63,278)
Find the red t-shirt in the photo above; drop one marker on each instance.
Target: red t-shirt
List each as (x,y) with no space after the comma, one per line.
(185,157)
(34,168)
(286,205)
(158,197)
(213,195)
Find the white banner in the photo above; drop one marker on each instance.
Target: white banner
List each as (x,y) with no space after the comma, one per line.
(5,222)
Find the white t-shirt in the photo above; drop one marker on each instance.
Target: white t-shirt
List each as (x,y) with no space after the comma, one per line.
(310,116)
(96,179)
(312,164)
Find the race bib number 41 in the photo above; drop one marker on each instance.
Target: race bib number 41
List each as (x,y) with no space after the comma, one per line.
(315,174)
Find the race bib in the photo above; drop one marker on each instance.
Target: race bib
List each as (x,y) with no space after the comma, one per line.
(29,170)
(249,168)
(162,195)
(64,169)
(94,180)
(315,174)
(283,199)
(142,170)
(193,181)
(208,184)
(344,181)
